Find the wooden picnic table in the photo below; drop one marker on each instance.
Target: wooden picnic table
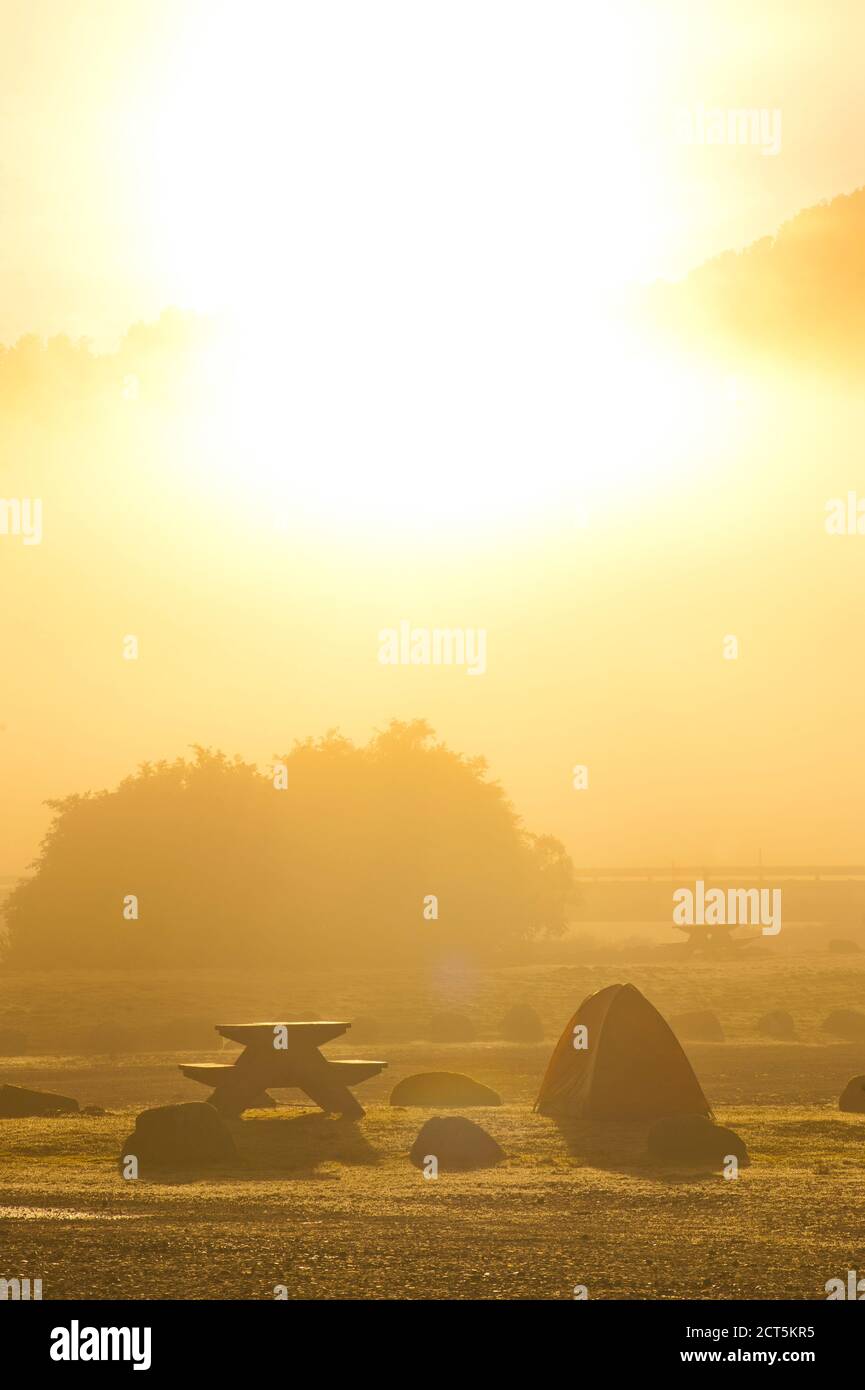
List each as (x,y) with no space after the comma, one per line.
(282,1054)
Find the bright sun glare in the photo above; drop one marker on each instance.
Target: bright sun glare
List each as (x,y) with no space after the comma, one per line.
(392,357)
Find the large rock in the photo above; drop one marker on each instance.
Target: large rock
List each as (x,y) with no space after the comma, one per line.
(777,1024)
(694,1139)
(16,1102)
(456,1143)
(853,1096)
(699,1026)
(451,1028)
(447,1088)
(522,1024)
(179,1136)
(846,1023)
(843,948)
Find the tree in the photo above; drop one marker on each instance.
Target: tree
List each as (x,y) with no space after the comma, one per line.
(228,869)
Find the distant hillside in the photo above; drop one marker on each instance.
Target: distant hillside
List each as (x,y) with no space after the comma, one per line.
(799,294)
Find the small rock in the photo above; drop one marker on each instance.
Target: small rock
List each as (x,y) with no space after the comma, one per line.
(446,1088)
(853,1096)
(17,1102)
(846,1023)
(701,1025)
(522,1024)
(694,1139)
(457,1143)
(451,1028)
(777,1024)
(191,1135)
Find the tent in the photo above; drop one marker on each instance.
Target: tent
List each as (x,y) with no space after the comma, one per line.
(632,1066)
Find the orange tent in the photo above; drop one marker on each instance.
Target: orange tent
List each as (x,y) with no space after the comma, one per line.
(631,1067)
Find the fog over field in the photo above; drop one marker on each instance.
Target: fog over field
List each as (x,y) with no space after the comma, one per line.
(432,537)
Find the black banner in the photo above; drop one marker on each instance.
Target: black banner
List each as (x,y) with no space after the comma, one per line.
(255,1338)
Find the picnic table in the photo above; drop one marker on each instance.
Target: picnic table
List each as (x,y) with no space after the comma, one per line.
(282,1054)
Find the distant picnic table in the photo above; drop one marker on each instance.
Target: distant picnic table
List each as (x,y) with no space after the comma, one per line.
(278,1055)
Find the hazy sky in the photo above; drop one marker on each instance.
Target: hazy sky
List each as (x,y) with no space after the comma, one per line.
(159,151)
(414,212)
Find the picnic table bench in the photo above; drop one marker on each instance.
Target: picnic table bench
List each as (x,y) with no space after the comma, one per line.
(282,1054)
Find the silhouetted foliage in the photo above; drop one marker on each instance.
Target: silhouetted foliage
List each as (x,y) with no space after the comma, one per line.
(165,361)
(793,295)
(229,869)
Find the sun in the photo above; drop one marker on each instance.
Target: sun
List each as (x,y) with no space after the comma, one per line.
(418,290)
(404,453)
(306,157)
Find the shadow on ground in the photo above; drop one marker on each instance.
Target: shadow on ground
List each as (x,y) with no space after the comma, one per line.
(621,1148)
(274,1145)
(299,1143)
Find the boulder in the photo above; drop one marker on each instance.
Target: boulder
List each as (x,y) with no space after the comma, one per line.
(694,1139)
(456,1143)
(853,1096)
(777,1024)
(701,1025)
(451,1028)
(191,1135)
(522,1024)
(843,948)
(846,1023)
(16,1102)
(445,1088)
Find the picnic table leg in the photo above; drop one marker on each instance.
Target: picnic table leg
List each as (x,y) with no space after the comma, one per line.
(228,1102)
(242,1088)
(262,1102)
(316,1078)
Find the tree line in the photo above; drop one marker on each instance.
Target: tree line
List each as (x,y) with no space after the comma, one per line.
(381,852)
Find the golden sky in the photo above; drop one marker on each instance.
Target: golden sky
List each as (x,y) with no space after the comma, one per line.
(197,151)
(413,215)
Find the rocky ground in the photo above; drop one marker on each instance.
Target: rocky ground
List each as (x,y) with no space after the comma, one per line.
(322,1208)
